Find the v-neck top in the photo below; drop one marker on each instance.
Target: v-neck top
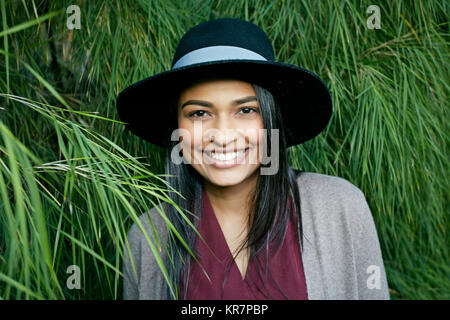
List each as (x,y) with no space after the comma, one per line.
(281,278)
(340,243)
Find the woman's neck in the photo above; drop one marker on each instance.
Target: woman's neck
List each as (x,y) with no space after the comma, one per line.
(231,201)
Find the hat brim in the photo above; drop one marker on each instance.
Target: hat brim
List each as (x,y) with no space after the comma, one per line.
(304,100)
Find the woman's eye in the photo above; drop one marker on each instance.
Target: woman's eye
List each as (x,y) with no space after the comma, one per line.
(203,113)
(197,114)
(247,110)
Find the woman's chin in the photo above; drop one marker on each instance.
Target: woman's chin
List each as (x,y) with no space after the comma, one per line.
(229,177)
(226,182)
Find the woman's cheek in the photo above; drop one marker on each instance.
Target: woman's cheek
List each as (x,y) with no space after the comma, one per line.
(196,148)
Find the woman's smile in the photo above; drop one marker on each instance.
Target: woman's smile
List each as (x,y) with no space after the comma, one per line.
(226,160)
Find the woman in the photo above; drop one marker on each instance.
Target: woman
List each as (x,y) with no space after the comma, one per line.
(226,112)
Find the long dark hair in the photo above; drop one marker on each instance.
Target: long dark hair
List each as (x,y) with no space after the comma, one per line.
(269,202)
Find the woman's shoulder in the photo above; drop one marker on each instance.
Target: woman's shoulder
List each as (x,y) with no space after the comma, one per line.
(339,227)
(331,200)
(152,221)
(331,188)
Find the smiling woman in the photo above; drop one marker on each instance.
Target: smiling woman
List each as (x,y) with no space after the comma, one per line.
(242,203)
(226,107)
(262,234)
(220,122)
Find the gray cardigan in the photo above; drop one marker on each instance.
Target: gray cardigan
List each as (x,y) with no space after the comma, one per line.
(341,254)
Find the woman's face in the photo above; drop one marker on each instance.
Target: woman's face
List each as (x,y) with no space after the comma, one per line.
(221,128)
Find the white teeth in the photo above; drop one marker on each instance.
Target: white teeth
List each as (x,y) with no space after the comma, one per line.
(225,156)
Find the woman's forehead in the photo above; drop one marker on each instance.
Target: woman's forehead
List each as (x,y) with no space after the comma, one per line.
(212,87)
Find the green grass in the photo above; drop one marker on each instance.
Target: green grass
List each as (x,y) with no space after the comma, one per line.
(72,180)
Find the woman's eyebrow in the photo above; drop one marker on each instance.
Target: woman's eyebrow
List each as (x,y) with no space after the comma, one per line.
(209,104)
(244,100)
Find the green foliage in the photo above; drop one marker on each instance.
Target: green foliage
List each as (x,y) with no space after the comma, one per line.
(72,180)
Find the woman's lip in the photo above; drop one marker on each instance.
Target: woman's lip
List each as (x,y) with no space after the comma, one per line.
(225,164)
(229,151)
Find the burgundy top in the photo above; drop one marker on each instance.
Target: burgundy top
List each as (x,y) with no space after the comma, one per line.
(285,279)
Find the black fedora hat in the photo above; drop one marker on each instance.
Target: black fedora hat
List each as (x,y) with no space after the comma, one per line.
(234,48)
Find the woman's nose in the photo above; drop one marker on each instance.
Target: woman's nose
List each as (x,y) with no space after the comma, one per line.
(223,131)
